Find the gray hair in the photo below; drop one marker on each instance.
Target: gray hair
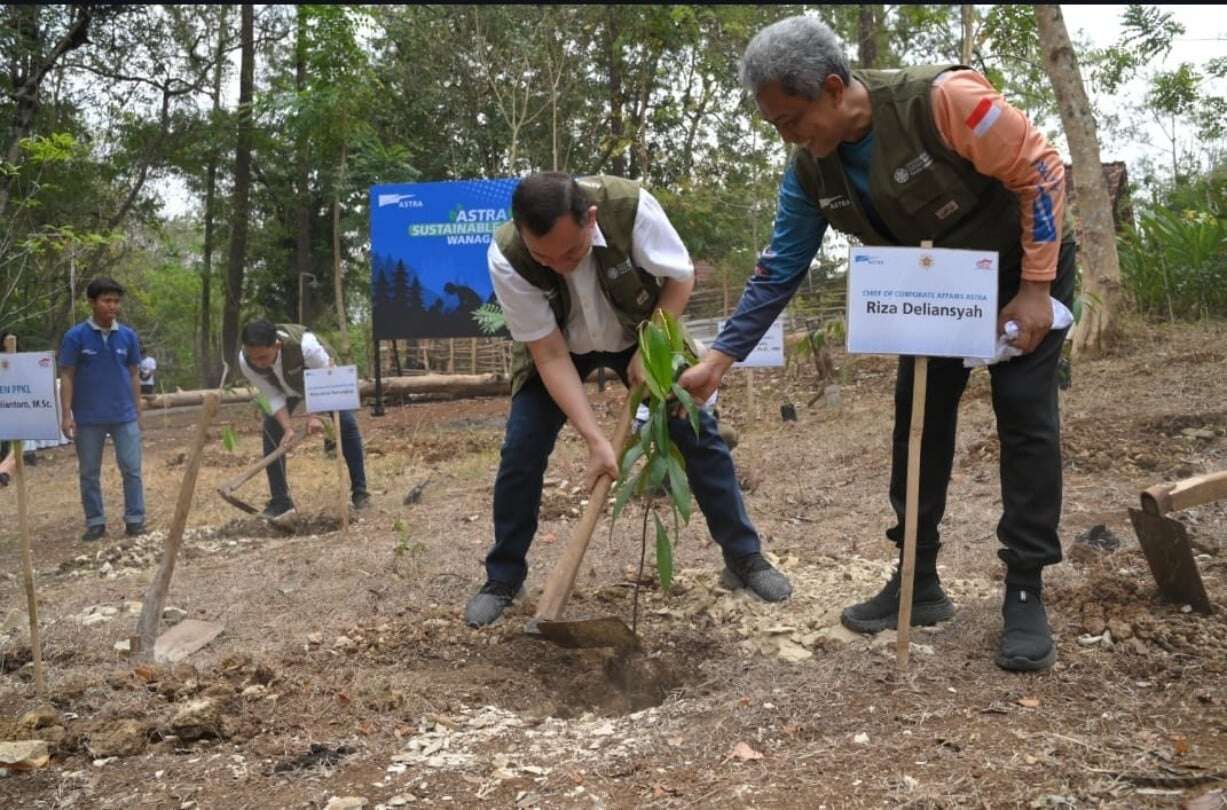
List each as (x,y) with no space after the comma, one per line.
(798,52)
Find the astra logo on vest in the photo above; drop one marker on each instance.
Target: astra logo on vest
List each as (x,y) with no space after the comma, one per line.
(619,270)
(839,201)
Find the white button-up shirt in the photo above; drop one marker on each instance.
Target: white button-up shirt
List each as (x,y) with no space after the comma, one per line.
(592,324)
(314,355)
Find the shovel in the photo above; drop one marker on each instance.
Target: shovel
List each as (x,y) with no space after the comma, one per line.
(1166,542)
(227,489)
(604,632)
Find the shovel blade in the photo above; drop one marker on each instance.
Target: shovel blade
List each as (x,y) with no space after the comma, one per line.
(1166,545)
(587,633)
(235,502)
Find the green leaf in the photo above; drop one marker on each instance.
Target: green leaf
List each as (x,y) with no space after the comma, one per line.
(660,427)
(687,401)
(229,441)
(664,555)
(624,492)
(630,455)
(659,362)
(658,468)
(679,486)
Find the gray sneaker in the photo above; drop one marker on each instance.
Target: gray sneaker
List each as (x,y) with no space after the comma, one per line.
(754,572)
(488,603)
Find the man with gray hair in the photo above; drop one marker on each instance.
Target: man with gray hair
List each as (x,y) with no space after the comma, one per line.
(895,158)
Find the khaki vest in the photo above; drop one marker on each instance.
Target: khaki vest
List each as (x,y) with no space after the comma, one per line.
(631,291)
(292,365)
(920,188)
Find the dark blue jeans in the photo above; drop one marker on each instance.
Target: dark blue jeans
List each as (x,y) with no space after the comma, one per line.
(351,449)
(532,428)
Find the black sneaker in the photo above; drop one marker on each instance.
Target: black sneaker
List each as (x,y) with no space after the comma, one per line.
(135,529)
(361,500)
(94,533)
(930,605)
(277,511)
(1026,642)
(754,572)
(488,603)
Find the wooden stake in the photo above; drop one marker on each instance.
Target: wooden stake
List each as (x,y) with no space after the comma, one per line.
(155,595)
(342,500)
(27,562)
(907,568)
(27,565)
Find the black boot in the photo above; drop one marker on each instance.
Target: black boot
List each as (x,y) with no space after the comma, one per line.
(1026,642)
(930,604)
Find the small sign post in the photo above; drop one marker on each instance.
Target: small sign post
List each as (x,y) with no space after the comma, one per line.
(769,353)
(334,389)
(920,302)
(31,410)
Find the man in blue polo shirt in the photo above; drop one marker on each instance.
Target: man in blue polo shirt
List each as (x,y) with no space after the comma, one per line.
(100,391)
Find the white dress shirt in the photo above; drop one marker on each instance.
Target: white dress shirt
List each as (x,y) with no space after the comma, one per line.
(592,325)
(314,355)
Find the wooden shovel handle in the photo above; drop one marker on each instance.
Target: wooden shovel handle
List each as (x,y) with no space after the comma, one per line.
(1163,498)
(562,578)
(243,477)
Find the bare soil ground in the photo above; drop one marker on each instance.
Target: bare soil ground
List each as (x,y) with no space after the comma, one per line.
(344,668)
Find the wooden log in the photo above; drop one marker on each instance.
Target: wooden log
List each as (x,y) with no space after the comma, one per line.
(463,384)
(155,596)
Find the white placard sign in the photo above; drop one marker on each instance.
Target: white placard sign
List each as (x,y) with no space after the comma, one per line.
(769,353)
(29,406)
(935,302)
(331,389)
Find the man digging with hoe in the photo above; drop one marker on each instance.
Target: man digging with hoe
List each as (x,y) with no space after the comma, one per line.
(580,266)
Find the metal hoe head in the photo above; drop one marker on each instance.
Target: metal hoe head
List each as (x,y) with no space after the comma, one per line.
(585,634)
(1165,543)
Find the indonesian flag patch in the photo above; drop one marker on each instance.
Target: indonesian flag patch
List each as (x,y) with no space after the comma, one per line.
(983,117)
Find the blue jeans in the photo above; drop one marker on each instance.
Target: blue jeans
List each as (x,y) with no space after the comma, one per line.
(532,428)
(90,440)
(351,449)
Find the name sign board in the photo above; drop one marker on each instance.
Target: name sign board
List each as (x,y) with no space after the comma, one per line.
(769,353)
(29,406)
(935,302)
(331,389)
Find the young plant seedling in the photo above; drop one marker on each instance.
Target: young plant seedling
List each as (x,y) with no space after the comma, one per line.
(648,462)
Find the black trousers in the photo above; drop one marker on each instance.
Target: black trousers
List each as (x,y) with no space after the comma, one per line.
(1028,427)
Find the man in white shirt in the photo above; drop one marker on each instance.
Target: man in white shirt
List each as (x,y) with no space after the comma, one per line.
(581,265)
(273,359)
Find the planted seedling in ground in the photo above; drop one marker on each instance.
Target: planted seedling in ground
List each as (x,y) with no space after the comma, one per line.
(652,459)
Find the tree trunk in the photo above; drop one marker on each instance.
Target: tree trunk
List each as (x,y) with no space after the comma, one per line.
(617,165)
(1101,285)
(969,33)
(867,37)
(204,353)
(337,272)
(242,188)
(302,216)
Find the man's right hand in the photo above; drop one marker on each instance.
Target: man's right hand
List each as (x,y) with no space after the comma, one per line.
(287,436)
(69,426)
(601,461)
(702,379)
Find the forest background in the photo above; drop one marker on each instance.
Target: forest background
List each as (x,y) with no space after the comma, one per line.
(216,159)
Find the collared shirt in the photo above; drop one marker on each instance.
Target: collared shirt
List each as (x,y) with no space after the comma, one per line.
(314,355)
(102,360)
(592,324)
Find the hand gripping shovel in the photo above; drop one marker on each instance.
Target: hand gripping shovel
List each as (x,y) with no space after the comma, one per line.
(1165,541)
(609,631)
(227,489)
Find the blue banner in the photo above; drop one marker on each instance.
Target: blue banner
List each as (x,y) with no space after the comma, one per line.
(428,255)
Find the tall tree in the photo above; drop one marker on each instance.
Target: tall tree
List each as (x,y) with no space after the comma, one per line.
(242,188)
(1101,285)
(207,365)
